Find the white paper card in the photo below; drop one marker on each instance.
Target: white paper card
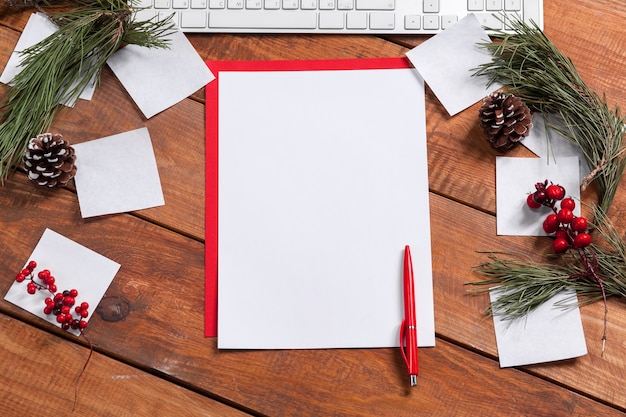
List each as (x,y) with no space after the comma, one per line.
(36,30)
(448,60)
(117,174)
(158,78)
(74,267)
(319,191)
(551,145)
(549,333)
(516,178)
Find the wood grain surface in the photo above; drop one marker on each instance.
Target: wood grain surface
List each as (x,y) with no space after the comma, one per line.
(150,355)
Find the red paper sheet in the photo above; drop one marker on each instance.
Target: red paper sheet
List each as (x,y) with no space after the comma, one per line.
(212,91)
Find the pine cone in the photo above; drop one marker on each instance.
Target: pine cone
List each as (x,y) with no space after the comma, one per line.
(505,120)
(49,160)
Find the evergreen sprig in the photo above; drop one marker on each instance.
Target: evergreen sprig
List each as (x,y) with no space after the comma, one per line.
(523,285)
(532,67)
(57,69)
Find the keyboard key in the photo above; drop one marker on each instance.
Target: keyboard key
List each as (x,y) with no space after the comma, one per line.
(494,5)
(161,4)
(331,20)
(413,21)
(512,5)
(431,6)
(235,4)
(180,4)
(431,22)
(290,4)
(327,4)
(193,19)
(380,20)
(308,5)
(375,4)
(489,20)
(448,20)
(345,4)
(272,4)
(198,4)
(217,4)
(144,3)
(267,19)
(475,5)
(254,4)
(356,20)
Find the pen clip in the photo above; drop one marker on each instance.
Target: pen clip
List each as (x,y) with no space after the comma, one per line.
(402,343)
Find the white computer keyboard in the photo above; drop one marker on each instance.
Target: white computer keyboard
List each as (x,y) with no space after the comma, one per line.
(336,16)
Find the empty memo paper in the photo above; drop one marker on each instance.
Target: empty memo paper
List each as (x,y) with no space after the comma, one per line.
(549,333)
(448,60)
(320,189)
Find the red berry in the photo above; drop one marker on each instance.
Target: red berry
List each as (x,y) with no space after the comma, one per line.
(61,318)
(32,265)
(555,192)
(47,309)
(582,240)
(550,224)
(540,196)
(560,245)
(530,201)
(579,224)
(31,288)
(50,280)
(84,313)
(565,215)
(74,293)
(568,203)
(20,277)
(69,300)
(49,301)
(82,324)
(26,272)
(43,274)
(58,297)
(52,288)
(65,310)
(84,305)
(560,234)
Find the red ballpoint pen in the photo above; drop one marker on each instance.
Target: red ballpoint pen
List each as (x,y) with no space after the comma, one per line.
(408,330)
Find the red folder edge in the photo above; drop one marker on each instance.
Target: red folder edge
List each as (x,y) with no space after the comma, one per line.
(211,150)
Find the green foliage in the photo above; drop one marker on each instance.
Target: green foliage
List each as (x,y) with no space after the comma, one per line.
(57,69)
(536,71)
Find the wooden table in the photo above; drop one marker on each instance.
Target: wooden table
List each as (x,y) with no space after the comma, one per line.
(156,361)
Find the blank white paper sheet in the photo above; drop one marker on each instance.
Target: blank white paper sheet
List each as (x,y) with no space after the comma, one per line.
(322,182)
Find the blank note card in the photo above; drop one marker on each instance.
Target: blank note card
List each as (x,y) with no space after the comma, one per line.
(322,182)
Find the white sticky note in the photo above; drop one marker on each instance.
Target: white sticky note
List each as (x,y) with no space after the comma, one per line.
(158,78)
(73,266)
(549,333)
(447,61)
(117,174)
(516,178)
(550,144)
(38,28)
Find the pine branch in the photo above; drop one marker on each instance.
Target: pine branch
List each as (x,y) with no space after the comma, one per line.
(536,71)
(57,69)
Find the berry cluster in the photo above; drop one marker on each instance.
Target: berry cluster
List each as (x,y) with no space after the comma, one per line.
(61,303)
(569,230)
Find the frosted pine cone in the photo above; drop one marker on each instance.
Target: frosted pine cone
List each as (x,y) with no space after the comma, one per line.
(49,160)
(505,120)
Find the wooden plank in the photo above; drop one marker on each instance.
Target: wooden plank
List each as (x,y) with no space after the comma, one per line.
(40,376)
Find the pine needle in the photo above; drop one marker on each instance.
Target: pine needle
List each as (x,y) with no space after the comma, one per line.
(547,81)
(57,69)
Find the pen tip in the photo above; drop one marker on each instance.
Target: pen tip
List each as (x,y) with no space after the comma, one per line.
(413,380)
